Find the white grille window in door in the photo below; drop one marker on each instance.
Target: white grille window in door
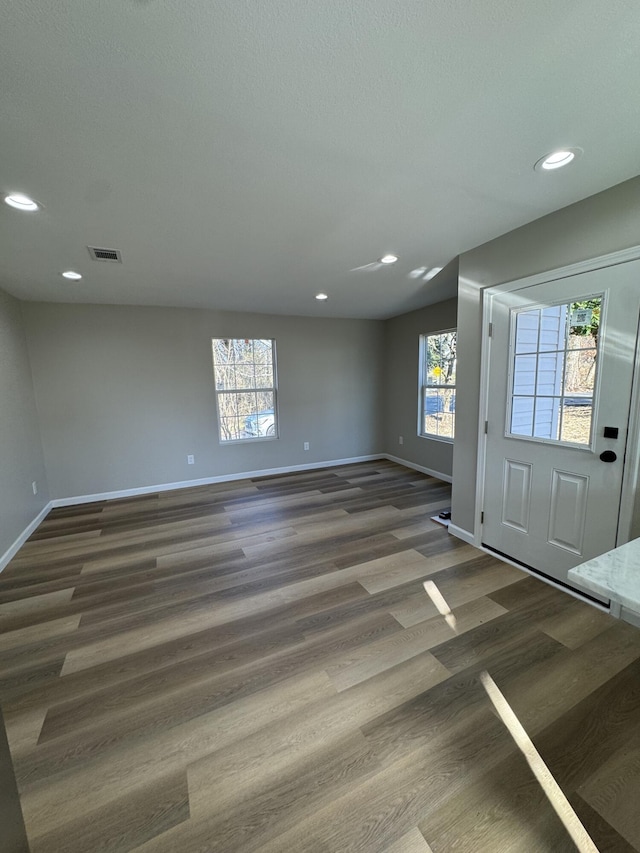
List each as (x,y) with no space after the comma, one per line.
(553,371)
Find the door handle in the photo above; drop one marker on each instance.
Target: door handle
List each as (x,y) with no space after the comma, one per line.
(608,456)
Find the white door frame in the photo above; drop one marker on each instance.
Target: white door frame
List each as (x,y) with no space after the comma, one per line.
(632,455)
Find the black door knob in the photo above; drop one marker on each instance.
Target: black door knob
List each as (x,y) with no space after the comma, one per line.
(608,456)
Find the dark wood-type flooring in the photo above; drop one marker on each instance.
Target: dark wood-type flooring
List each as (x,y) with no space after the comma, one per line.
(256,666)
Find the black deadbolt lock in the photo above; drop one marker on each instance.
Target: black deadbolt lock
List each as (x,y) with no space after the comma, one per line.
(611,432)
(608,456)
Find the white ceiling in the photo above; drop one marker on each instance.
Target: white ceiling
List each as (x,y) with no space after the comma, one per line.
(245,154)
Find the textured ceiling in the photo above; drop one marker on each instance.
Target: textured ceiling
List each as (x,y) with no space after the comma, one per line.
(244,155)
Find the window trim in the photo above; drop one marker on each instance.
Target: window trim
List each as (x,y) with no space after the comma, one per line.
(272,389)
(422,385)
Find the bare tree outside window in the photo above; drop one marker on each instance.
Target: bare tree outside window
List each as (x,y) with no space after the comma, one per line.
(245,379)
(438,385)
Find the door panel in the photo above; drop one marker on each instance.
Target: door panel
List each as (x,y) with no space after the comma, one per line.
(516,497)
(569,494)
(560,370)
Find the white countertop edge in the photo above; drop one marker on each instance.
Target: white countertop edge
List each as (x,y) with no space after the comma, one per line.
(615,574)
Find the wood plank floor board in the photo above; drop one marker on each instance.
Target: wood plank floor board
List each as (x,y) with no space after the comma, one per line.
(375,657)
(122,824)
(574,625)
(412,842)
(440,716)
(39,631)
(375,812)
(256,667)
(142,663)
(549,690)
(111,773)
(604,835)
(607,791)
(139,713)
(574,747)
(525,593)
(582,740)
(385,601)
(21,579)
(268,807)
(482,642)
(131,574)
(24,669)
(481,577)
(505,802)
(371,550)
(154,685)
(241,763)
(23,730)
(29,677)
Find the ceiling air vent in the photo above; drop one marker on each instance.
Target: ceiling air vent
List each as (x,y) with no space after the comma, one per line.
(111,255)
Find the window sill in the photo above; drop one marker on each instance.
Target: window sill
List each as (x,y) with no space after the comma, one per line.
(239,441)
(441,438)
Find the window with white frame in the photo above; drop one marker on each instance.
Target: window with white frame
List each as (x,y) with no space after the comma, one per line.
(245,378)
(553,371)
(438,385)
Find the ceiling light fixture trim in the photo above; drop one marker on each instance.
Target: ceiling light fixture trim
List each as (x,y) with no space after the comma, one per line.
(388,259)
(71,275)
(557,159)
(321,297)
(20,201)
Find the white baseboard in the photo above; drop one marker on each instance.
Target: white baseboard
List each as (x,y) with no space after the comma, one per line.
(206,481)
(13,549)
(437,474)
(461,533)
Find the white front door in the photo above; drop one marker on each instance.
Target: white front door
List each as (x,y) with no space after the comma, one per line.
(559,385)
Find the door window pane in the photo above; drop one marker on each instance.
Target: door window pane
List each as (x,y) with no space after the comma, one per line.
(580,372)
(550,371)
(553,327)
(546,421)
(554,371)
(522,416)
(577,414)
(524,377)
(528,323)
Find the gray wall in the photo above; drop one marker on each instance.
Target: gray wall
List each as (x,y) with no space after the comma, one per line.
(604,223)
(21,459)
(125,393)
(401,386)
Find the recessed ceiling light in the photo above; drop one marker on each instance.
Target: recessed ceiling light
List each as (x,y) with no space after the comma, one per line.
(557,159)
(433,272)
(20,201)
(388,259)
(321,296)
(71,275)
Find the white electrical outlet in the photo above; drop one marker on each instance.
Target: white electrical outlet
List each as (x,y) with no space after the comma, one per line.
(191,459)
(400,439)
(306,445)
(34,486)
